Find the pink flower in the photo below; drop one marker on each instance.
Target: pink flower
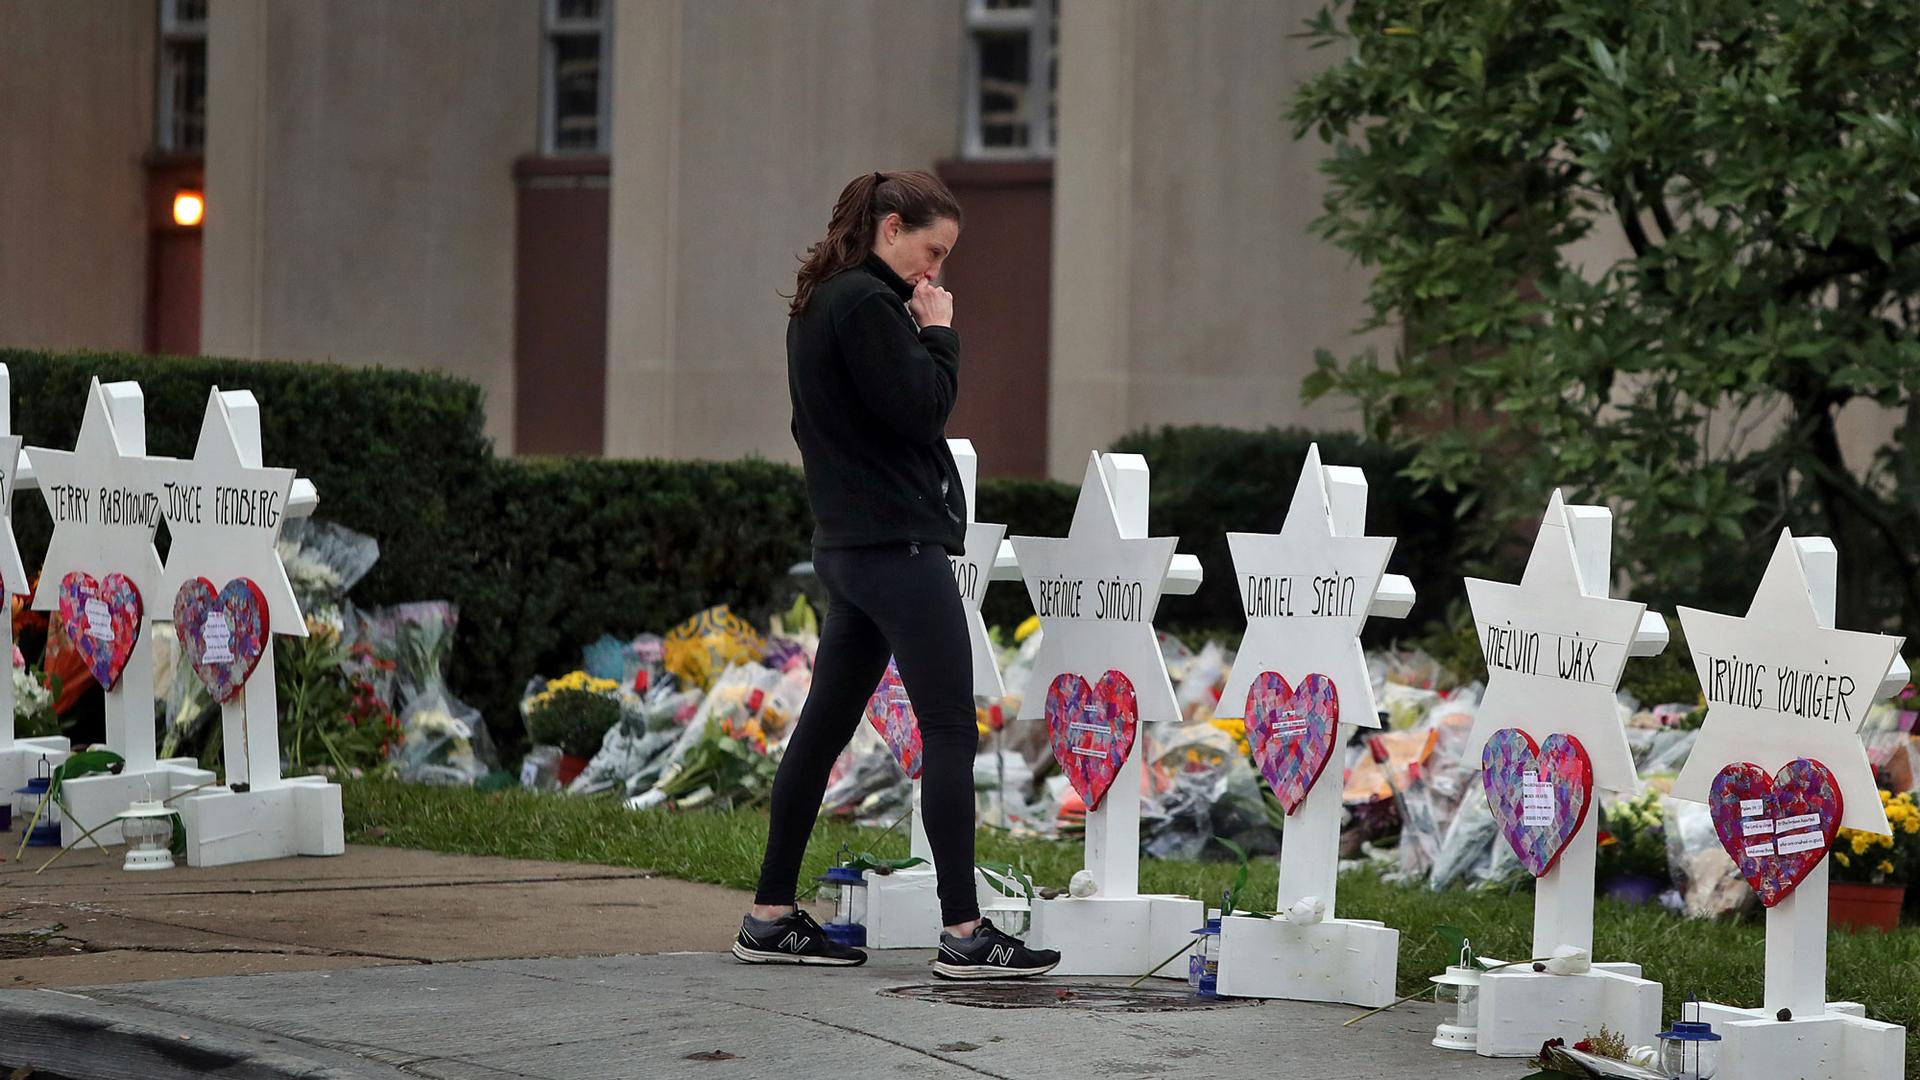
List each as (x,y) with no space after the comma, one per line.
(19,660)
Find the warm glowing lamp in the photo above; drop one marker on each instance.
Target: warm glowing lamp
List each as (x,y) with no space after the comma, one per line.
(188,207)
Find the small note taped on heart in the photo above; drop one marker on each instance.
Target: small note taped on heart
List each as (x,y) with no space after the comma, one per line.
(1752,807)
(1756,827)
(1292,722)
(1793,843)
(1536,803)
(1797,822)
(218,635)
(99,620)
(1764,847)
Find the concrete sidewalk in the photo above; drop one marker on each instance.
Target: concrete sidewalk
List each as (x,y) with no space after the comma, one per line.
(684,1015)
(388,964)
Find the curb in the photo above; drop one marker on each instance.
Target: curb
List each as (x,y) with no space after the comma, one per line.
(81,1038)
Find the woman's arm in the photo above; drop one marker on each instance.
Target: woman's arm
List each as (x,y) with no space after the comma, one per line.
(909,381)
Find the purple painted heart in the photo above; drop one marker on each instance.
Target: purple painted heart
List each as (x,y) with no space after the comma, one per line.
(1092,729)
(223,633)
(1539,795)
(1777,828)
(1292,732)
(891,713)
(102,621)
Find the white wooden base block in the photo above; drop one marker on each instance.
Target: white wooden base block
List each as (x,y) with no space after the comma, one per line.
(903,908)
(1842,1043)
(301,816)
(1521,1008)
(20,762)
(1101,935)
(98,799)
(1348,961)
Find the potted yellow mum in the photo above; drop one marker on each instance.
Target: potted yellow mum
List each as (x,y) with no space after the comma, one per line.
(1870,871)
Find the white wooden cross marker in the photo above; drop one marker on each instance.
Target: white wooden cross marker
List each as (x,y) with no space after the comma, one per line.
(225,511)
(1754,672)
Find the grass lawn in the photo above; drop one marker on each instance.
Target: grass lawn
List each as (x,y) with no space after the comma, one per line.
(1720,960)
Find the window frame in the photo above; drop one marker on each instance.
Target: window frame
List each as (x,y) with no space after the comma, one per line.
(1039,22)
(552,28)
(173,30)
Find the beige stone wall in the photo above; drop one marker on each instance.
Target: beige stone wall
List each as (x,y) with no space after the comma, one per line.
(76,119)
(1186,286)
(736,124)
(359,183)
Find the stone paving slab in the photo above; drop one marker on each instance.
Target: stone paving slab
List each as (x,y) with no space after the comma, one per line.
(674,1015)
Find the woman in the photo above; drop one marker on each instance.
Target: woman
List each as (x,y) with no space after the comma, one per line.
(872,367)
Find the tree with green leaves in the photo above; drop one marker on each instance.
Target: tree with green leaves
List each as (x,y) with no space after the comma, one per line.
(1760,159)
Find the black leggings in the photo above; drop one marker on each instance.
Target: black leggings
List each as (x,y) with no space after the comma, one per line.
(900,600)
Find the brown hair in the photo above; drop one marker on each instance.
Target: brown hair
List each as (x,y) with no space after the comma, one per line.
(918,197)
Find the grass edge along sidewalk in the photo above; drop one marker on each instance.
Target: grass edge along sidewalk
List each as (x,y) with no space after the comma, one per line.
(1718,959)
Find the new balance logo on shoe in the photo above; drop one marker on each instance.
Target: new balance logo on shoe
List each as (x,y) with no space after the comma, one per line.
(793,942)
(1000,955)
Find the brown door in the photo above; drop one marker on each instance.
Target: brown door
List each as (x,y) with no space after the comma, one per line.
(560,306)
(1001,276)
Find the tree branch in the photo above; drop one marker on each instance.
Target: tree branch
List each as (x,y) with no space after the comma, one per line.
(1855,260)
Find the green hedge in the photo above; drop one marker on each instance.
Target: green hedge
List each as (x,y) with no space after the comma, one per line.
(544,556)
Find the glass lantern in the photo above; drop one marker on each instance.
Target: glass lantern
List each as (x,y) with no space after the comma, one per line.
(147,827)
(33,798)
(1010,913)
(1691,1050)
(1459,989)
(847,889)
(1203,964)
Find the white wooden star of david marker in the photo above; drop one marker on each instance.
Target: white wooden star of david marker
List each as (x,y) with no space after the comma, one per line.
(1095,591)
(971,572)
(1782,683)
(102,498)
(1306,593)
(225,510)
(1556,647)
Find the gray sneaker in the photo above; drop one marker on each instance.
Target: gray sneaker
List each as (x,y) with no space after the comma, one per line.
(990,953)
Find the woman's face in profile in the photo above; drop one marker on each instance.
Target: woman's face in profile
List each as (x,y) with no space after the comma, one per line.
(917,254)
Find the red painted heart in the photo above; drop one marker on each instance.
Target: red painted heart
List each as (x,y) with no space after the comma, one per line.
(1292,731)
(102,620)
(223,634)
(891,714)
(1539,794)
(1777,828)
(1092,730)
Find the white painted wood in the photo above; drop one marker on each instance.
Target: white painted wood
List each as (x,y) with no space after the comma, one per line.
(258,815)
(1561,605)
(1557,645)
(1790,627)
(1116,931)
(109,455)
(19,758)
(1322,541)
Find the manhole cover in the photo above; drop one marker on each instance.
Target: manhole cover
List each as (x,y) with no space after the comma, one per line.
(1058,996)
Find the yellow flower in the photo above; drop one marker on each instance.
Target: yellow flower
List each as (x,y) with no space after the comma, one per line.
(1841,858)
(1860,842)
(1885,867)
(1910,826)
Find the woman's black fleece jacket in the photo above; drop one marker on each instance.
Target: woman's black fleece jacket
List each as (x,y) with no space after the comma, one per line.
(871,393)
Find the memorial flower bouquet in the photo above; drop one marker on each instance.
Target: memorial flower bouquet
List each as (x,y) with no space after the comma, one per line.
(34,692)
(1633,838)
(1881,860)
(573,712)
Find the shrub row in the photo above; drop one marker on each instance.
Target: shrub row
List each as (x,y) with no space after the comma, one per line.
(543,556)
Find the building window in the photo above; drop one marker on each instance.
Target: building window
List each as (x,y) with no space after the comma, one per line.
(1013,69)
(180,103)
(576,75)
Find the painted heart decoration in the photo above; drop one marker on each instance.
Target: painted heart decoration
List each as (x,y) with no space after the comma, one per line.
(1292,731)
(1092,730)
(1777,828)
(102,620)
(223,633)
(891,714)
(1539,794)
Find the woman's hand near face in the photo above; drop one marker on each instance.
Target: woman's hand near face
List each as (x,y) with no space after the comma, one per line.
(931,305)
